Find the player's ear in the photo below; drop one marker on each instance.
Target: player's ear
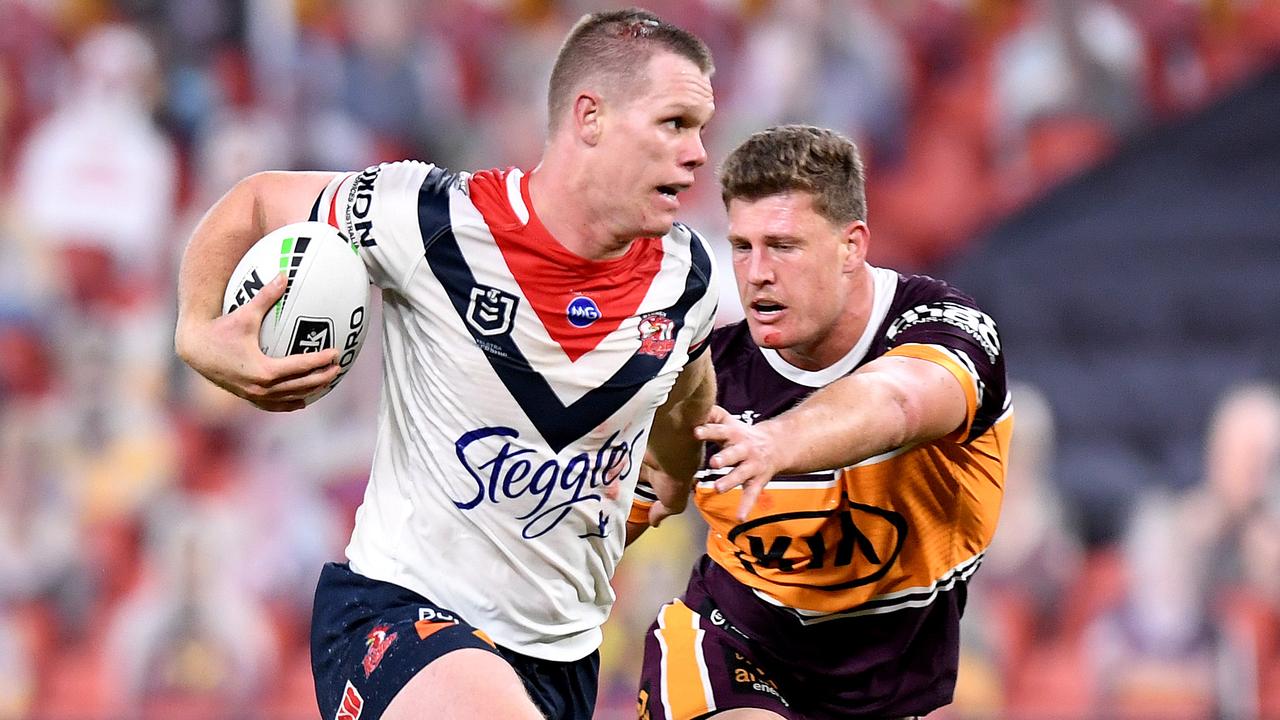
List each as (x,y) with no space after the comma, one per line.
(586,117)
(857,236)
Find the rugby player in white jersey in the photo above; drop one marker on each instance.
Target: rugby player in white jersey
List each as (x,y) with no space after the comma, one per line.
(538,328)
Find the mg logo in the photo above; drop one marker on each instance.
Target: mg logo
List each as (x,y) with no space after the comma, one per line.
(491,311)
(582,311)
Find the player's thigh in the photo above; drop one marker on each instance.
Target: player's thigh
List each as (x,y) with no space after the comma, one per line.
(370,640)
(696,666)
(466,684)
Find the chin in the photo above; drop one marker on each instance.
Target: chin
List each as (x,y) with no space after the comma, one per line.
(657,228)
(766,336)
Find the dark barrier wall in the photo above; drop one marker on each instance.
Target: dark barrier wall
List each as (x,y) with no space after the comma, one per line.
(1138,293)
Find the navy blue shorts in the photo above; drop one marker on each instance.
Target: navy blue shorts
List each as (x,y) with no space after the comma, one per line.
(369,638)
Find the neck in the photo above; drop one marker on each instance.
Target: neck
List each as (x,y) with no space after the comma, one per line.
(846,331)
(580,224)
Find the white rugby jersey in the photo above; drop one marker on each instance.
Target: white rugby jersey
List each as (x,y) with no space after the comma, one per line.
(515,374)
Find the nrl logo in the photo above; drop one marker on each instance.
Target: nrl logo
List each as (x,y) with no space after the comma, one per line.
(311,335)
(491,311)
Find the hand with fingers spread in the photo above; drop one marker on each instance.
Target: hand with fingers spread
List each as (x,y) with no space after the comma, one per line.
(751,450)
(225,350)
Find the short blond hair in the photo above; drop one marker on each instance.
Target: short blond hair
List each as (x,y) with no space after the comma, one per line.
(804,158)
(613,49)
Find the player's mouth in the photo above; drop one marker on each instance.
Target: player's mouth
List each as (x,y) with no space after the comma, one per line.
(670,193)
(766,311)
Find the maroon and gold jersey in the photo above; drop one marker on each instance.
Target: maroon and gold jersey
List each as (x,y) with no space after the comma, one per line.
(894,530)
(880,551)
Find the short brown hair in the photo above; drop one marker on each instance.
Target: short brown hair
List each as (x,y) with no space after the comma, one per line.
(615,47)
(815,160)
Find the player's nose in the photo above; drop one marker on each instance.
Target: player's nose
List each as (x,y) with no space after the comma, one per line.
(759,269)
(693,154)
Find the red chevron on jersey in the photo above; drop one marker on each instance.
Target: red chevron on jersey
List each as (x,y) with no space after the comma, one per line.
(554,280)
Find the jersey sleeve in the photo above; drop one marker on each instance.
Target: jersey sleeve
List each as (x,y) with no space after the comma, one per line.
(954,333)
(702,317)
(377,210)
(643,499)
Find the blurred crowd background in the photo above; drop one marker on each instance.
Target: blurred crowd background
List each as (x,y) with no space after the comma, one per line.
(1103,175)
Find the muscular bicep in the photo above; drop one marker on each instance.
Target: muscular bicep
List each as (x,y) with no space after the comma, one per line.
(672,443)
(281,198)
(929,396)
(692,395)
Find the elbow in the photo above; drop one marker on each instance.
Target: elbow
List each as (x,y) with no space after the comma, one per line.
(179,346)
(903,416)
(183,346)
(254,190)
(918,412)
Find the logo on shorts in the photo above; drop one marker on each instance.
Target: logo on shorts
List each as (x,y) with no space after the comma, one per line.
(378,641)
(491,311)
(582,311)
(642,705)
(352,704)
(311,335)
(657,335)
(748,676)
(432,621)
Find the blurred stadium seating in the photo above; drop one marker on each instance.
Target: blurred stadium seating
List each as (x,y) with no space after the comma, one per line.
(1102,174)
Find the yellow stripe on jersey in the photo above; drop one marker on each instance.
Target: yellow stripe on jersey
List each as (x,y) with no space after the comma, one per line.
(686,685)
(936,354)
(639,512)
(897,523)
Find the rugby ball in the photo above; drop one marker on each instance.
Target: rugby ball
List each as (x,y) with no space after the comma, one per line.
(325,303)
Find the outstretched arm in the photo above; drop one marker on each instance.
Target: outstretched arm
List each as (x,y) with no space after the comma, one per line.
(224,349)
(888,403)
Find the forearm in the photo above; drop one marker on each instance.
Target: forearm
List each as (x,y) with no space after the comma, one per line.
(902,402)
(256,205)
(840,425)
(219,240)
(672,445)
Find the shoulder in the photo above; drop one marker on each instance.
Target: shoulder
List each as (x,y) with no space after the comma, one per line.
(921,299)
(688,248)
(684,236)
(918,289)
(400,178)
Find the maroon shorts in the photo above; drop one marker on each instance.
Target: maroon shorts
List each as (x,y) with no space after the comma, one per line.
(721,647)
(696,665)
